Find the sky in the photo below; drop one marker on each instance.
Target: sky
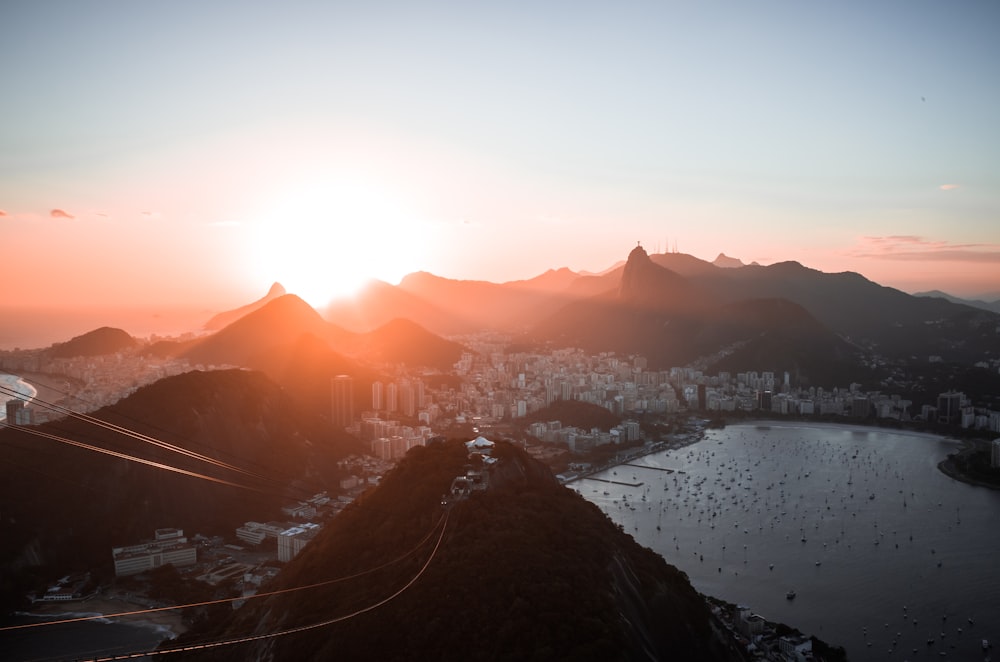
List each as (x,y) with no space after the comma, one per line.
(192,153)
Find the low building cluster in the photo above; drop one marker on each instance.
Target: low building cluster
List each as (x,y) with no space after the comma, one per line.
(758,639)
(92,382)
(169,547)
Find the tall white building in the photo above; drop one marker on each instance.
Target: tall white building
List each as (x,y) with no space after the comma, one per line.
(293,540)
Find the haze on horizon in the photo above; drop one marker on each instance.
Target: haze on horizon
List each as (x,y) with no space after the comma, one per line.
(192,155)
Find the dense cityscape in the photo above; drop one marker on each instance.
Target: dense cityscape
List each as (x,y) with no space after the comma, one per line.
(492,391)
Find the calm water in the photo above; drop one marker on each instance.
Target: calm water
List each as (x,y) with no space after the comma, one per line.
(73,641)
(883,551)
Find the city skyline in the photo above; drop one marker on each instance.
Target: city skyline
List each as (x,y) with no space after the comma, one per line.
(194,155)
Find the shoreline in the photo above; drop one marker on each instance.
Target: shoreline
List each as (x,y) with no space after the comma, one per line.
(103,609)
(948,468)
(945,466)
(24,389)
(765,422)
(46,386)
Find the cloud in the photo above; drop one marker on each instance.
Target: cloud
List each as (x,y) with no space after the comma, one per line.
(3,213)
(919,249)
(948,187)
(59,213)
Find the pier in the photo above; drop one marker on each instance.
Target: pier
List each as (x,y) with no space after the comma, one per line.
(614,482)
(643,466)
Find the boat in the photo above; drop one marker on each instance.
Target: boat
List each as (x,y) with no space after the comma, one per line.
(791,596)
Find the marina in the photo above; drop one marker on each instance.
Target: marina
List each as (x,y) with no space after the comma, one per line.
(848,533)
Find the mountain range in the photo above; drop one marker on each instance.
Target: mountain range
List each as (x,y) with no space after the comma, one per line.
(672,308)
(676,309)
(993,305)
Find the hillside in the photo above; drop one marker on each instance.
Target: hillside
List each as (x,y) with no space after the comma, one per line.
(280,322)
(672,319)
(524,570)
(852,306)
(378,303)
(224,319)
(104,340)
(484,305)
(575,413)
(65,507)
(403,341)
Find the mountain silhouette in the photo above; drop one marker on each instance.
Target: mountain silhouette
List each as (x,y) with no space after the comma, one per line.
(289,341)
(673,320)
(278,323)
(226,318)
(105,340)
(645,284)
(850,305)
(992,306)
(483,305)
(727,262)
(378,303)
(404,341)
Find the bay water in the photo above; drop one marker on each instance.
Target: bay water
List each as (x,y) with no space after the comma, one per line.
(886,555)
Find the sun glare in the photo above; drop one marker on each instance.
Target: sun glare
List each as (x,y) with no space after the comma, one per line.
(323,239)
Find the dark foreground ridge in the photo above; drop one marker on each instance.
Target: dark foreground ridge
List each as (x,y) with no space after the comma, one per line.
(525,569)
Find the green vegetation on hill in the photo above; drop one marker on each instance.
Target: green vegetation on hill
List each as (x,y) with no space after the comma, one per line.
(575,413)
(527,570)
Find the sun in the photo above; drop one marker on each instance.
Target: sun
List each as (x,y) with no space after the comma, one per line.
(325,236)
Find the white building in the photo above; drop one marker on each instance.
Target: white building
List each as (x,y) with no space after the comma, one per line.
(255,533)
(292,541)
(169,548)
(796,648)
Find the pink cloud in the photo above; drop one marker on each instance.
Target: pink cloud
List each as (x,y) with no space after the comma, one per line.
(59,213)
(3,213)
(948,187)
(919,249)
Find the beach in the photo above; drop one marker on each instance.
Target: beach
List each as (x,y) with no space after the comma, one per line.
(86,628)
(23,389)
(169,620)
(48,388)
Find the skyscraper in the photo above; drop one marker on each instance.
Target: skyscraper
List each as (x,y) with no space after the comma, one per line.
(949,407)
(378,396)
(391,397)
(342,401)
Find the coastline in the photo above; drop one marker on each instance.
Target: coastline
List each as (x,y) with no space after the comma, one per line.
(25,389)
(774,423)
(948,467)
(45,385)
(98,609)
